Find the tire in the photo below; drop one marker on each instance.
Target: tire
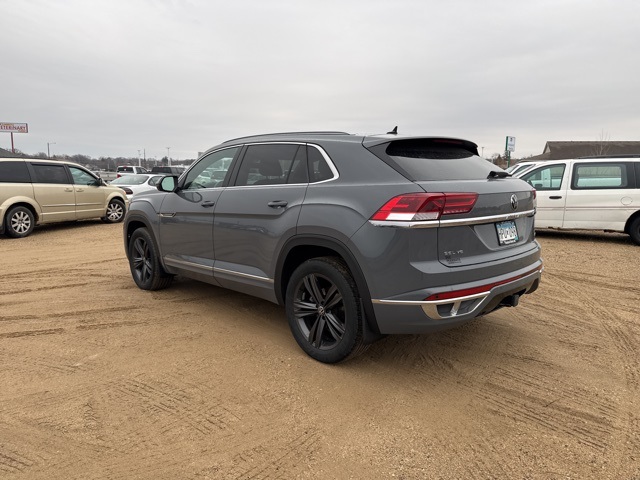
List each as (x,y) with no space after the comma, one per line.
(115,211)
(144,262)
(19,222)
(634,231)
(323,309)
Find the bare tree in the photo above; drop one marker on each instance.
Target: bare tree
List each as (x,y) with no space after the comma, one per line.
(602,145)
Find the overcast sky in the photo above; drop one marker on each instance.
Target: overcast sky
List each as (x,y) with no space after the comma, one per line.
(112,77)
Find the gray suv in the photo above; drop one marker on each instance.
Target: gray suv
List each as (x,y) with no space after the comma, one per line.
(357,236)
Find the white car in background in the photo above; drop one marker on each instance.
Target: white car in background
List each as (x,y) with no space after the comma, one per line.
(519,168)
(599,193)
(137,183)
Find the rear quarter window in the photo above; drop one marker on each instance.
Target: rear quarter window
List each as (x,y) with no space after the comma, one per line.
(595,176)
(14,172)
(425,159)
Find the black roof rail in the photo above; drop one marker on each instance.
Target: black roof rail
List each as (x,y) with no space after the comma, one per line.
(320,132)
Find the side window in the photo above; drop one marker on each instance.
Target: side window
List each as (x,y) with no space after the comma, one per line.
(211,170)
(637,164)
(545,178)
(593,176)
(14,172)
(80,177)
(319,169)
(267,164)
(46,173)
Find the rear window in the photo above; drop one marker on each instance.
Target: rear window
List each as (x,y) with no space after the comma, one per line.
(424,160)
(14,172)
(124,169)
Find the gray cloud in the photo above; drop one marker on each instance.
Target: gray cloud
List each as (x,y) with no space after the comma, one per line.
(109,77)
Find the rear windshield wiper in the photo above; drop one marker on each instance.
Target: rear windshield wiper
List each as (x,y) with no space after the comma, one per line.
(496,174)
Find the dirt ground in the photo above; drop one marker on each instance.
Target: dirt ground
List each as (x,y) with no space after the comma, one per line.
(100,380)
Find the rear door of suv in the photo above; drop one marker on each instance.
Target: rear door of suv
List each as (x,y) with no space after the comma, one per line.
(257,213)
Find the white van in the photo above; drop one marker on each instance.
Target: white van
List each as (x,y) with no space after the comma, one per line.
(599,193)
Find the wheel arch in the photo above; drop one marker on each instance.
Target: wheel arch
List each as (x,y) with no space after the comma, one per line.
(301,248)
(133,223)
(19,202)
(630,220)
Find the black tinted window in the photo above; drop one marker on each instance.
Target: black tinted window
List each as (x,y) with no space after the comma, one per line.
(267,164)
(318,167)
(50,173)
(15,172)
(425,159)
(210,171)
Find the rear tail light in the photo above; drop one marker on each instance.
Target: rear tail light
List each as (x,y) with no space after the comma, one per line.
(414,207)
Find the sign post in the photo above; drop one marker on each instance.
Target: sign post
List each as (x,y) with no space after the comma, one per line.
(509,146)
(13,127)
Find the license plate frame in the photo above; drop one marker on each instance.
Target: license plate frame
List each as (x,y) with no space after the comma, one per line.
(507,232)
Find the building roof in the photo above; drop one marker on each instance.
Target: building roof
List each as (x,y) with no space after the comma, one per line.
(562,150)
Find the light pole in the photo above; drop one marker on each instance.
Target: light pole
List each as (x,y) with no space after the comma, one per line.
(49,143)
(168,157)
(139,164)
(482,154)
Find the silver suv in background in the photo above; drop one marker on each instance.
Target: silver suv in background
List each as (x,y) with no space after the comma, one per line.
(357,236)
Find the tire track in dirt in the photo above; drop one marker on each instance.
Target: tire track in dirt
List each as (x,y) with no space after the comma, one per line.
(627,442)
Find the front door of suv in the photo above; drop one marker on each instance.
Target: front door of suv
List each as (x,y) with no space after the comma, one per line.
(186,216)
(551,190)
(257,214)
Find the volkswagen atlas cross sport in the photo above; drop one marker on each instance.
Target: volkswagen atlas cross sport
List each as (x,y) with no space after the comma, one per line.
(357,236)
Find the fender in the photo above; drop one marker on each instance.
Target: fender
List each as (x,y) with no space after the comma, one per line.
(371,331)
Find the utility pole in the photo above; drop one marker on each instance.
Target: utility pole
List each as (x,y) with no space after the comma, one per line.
(48,153)
(168,157)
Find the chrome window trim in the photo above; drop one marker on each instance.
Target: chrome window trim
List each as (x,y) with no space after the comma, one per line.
(454,222)
(324,154)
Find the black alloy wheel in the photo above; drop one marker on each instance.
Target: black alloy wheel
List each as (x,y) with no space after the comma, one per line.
(323,309)
(144,263)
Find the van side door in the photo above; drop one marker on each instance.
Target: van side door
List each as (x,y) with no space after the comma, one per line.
(54,192)
(601,195)
(550,182)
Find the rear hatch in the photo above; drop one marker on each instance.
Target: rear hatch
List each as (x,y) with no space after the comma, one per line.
(496,225)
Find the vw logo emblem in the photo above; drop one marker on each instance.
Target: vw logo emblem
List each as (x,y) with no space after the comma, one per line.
(514,202)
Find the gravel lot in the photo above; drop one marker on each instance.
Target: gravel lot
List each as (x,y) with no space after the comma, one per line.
(101,380)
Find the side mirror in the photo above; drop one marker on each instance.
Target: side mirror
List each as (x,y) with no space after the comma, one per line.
(168,184)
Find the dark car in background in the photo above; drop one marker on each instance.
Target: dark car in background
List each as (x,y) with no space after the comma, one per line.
(168,170)
(357,236)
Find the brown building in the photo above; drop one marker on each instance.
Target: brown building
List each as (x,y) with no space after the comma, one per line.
(562,150)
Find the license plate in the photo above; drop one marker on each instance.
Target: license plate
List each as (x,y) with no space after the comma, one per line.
(507,232)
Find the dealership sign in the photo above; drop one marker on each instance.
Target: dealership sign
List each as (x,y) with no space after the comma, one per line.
(14,127)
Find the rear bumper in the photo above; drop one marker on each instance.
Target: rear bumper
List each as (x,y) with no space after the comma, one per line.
(424,316)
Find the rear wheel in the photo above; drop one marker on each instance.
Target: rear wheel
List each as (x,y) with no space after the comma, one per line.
(323,309)
(19,222)
(634,231)
(115,211)
(144,262)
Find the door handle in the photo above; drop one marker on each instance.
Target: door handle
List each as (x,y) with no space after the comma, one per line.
(207,204)
(80,190)
(278,204)
(68,189)
(555,197)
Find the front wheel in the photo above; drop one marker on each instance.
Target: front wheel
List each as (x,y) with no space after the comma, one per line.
(115,211)
(144,262)
(19,222)
(323,310)
(634,231)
